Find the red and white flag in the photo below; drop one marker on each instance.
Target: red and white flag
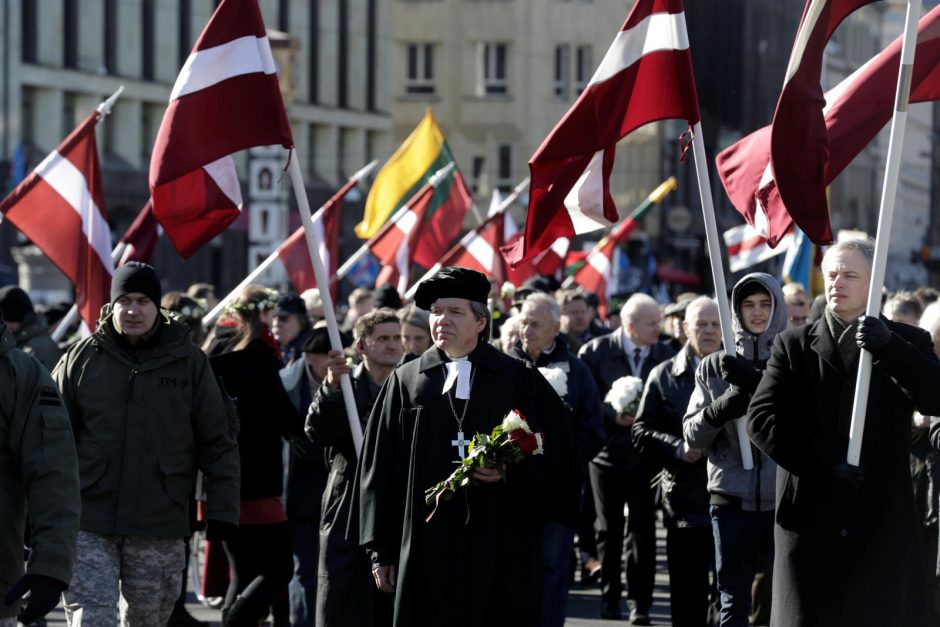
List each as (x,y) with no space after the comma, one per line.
(856,110)
(295,256)
(799,143)
(226,99)
(445,222)
(478,249)
(595,275)
(747,247)
(645,76)
(60,207)
(140,240)
(394,246)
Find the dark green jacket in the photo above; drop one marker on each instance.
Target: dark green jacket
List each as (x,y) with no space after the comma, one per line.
(33,338)
(144,421)
(38,472)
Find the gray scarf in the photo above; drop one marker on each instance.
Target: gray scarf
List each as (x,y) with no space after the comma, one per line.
(844,335)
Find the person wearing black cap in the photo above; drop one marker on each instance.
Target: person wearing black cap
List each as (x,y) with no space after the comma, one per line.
(30,330)
(478,561)
(39,488)
(146,413)
(307,472)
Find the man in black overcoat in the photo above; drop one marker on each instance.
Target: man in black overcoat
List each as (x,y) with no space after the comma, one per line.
(478,560)
(848,550)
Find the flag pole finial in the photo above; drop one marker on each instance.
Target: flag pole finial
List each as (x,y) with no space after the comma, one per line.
(104,109)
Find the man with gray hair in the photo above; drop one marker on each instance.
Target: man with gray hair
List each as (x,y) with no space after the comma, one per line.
(847,539)
(619,475)
(657,433)
(539,343)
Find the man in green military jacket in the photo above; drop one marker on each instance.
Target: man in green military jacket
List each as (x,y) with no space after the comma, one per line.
(38,481)
(146,412)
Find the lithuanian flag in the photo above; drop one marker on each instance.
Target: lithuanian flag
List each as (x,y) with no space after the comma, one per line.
(422,154)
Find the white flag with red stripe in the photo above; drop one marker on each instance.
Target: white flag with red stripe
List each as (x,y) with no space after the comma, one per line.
(747,247)
(479,249)
(60,207)
(645,76)
(226,99)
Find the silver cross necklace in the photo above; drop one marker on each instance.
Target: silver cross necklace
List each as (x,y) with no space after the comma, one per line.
(460,442)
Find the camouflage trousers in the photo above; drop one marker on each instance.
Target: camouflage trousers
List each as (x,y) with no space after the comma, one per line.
(132,579)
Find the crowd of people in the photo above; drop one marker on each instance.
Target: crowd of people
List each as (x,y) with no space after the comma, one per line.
(120,445)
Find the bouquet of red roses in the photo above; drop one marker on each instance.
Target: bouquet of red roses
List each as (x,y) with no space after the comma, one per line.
(510,442)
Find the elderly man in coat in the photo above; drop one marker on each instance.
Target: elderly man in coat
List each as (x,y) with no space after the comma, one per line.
(848,551)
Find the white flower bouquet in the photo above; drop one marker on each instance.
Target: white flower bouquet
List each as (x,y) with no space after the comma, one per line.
(624,395)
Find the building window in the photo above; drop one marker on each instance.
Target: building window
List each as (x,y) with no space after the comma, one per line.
(419,75)
(70,40)
(30,32)
(147,133)
(342,61)
(476,174)
(562,72)
(283,16)
(68,112)
(147,40)
(585,67)
(313,62)
(110,36)
(504,179)
(184,45)
(28,114)
(492,69)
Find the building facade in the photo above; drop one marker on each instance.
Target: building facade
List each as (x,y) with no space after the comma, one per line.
(60,58)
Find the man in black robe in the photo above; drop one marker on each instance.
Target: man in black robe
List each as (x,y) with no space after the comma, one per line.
(478,561)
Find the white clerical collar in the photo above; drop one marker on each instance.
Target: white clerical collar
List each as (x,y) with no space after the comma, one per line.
(458,369)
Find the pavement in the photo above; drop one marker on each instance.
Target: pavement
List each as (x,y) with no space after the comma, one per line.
(584,602)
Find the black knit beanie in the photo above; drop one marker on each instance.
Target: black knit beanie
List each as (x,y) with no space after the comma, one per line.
(15,303)
(135,276)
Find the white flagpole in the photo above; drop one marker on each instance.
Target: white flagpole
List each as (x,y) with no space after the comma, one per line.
(323,285)
(883,235)
(103,109)
(718,275)
(503,206)
(435,179)
(216,311)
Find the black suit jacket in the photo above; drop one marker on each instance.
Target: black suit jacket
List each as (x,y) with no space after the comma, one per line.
(607,361)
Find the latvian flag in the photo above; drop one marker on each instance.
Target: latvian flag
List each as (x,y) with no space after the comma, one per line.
(645,76)
(747,247)
(60,207)
(140,240)
(295,256)
(479,249)
(856,110)
(595,275)
(226,99)
(394,246)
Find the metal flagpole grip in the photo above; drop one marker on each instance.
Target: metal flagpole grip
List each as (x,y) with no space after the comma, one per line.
(885,217)
(323,283)
(718,276)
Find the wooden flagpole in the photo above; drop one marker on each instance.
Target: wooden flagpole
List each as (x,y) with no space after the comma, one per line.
(885,217)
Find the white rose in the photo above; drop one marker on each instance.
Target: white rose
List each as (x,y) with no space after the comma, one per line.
(557,378)
(514,421)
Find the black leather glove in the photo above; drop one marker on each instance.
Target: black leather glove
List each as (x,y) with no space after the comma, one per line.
(219,530)
(873,334)
(44,594)
(732,404)
(740,372)
(846,477)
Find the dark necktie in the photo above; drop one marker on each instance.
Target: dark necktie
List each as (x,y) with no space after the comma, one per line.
(636,358)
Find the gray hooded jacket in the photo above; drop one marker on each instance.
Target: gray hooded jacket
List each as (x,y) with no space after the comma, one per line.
(726,474)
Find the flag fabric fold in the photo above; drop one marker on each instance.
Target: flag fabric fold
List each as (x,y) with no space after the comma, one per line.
(645,76)
(595,275)
(225,99)
(856,110)
(747,247)
(479,249)
(60,207)
(798,138)
(295,257)
(394,248)
(140,240)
